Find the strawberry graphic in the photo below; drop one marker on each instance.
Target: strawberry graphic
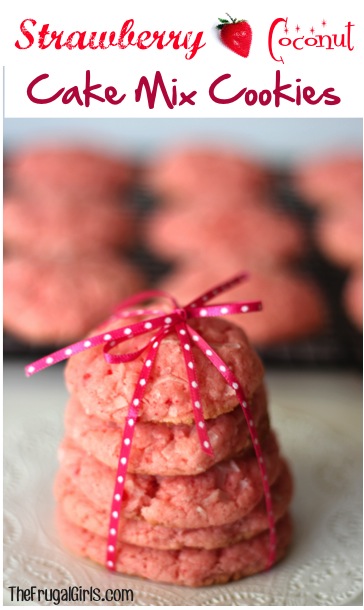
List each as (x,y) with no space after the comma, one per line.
(236,35)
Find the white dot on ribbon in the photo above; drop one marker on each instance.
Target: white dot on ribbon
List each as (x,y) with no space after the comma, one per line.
(148,363)
(203,313)
(244,309)
(131,422)
(197,404)
(201,424)
(107,337)
(187,347)
(111,548)
(251,423)
(148,325)
(112,343)
(168,320)
(244,404)
(117,497)
(127,441)
(123,460)
(110,564)
(208,352)
(87,344)
(142,382)
(112,531)
(194,384)
(49,360)
(155,344)
(120,479)
(222,368)
(190,365)
(224,310)
(136,401)
(182,331)
(31,369)
(127,331)
(256,441)
(206,444)
(115,514)
(68,351)
(195,337)
(235,385)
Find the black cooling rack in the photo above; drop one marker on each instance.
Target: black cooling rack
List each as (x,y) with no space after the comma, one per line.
(338,344)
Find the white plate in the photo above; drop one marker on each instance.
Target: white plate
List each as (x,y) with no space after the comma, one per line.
(322,568)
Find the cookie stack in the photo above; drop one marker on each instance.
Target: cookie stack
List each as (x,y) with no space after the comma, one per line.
(187,518)
(215,216)
(66,220)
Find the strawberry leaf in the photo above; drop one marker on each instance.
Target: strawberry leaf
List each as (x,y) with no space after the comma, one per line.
(223,20)
(219,27)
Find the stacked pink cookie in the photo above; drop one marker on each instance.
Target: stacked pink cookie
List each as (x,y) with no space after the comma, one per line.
(334,186)
(215,217)
(66,220)
(187,518)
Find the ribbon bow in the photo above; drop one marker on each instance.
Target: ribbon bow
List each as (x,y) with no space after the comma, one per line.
(162,325)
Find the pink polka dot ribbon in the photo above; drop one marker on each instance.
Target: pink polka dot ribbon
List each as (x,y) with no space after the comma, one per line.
(160,326)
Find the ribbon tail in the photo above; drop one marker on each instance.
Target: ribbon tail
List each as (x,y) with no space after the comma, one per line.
(125,449)
(233,382)
(185,342)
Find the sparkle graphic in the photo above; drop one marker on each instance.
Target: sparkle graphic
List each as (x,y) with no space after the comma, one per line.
(286,30)
(297,28)
(323,23)
(312,30)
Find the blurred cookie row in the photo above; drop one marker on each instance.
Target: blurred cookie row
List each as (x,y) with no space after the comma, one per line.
(333,186)
(216,216)
(72,227)
(68,225)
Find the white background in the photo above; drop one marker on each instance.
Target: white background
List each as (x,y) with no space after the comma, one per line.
(316,67)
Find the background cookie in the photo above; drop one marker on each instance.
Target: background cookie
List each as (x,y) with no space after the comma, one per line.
(67,170)
(59,301)
(54,227)
(293,306)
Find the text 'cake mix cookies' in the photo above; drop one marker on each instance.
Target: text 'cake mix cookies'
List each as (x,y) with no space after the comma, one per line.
(188,511)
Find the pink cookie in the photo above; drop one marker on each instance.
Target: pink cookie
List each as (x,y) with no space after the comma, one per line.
(187,171)
(253,234)
(329,183)
(192,567)
(84,513)
(162,448)
(340,236)
(67,170)
(50,227)
(353,297)
(223,494)
(106,390)
(59,301)
(293,306)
